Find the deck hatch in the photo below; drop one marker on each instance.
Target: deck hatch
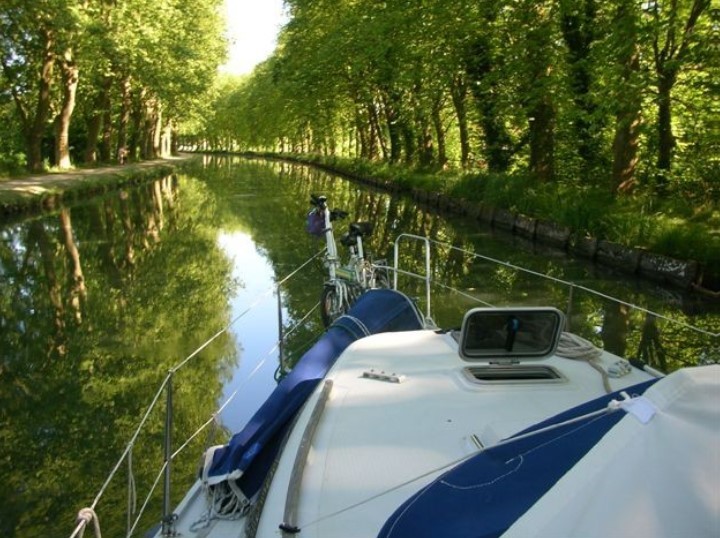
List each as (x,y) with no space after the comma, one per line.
(510,334)
(513,373)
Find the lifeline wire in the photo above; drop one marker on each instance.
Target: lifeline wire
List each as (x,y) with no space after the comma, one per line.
(84,520)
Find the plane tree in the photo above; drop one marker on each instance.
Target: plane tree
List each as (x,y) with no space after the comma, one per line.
(555,92)
(124,64)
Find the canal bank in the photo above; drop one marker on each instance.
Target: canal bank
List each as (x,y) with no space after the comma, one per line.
(43,192)
(685,274)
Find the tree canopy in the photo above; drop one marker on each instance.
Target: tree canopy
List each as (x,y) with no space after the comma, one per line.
(614,95)
(89,77)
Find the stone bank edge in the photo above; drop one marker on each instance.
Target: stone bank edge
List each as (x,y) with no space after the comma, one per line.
(685,274)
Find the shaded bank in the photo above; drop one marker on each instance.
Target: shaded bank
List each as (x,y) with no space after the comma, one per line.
(686,274)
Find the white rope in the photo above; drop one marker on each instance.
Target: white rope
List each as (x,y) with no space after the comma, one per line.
(572,346)
(85,516)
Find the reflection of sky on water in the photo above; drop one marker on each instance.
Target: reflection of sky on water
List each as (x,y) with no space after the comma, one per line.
(255,333)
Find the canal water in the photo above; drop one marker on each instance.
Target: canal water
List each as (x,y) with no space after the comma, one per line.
(103,302)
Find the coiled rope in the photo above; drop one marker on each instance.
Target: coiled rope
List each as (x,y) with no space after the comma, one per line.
(572,346)
(84,517)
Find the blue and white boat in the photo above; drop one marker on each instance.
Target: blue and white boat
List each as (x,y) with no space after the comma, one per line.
(508,426)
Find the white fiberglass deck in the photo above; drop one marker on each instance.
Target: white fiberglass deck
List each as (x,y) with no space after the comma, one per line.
(378,441)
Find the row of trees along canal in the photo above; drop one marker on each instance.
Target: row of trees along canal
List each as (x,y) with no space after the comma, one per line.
(120,72)
(613,94)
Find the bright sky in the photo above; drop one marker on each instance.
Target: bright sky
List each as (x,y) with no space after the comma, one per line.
(253,26)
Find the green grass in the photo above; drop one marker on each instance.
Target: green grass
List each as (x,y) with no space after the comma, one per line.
(683,225)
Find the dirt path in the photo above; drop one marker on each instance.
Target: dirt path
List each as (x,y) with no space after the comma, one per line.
(48,181)
(44,191)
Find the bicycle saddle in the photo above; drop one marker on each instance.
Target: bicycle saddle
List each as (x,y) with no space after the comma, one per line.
(363,229)
(357,229)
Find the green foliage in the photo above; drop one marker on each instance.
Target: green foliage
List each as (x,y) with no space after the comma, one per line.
(553,91)
(77,374)
(678,226)
(12,164)
(157,58)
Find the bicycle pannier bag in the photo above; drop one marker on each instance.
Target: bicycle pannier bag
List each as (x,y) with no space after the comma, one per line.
(315,224)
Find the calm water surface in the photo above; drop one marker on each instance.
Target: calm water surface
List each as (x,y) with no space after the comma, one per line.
(100,300)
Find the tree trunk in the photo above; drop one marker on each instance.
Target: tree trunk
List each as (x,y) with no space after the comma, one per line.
(439,134)
(542,140)
(362,133)
(668,61)
(70,77)
(95,123)
(409,144)
(374,136)
(625,146)
(539,105)
(125,115)
(156,119)
(425,143)
(35,127)
(107,132)
(149,128)
(375,122)
(136,139)
(458,91)
(93,126)
(628,99)
(666,139)
(578,29)
(498,142)
(392,118)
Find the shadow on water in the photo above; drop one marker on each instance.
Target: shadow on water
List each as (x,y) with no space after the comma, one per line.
(99,300)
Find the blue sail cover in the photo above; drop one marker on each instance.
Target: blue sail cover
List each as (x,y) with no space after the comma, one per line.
(483,496)
(247,458)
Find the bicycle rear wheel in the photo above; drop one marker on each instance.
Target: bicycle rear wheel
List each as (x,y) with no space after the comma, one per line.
(381,278)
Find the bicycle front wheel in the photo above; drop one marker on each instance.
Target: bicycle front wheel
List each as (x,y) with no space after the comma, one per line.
(336,299)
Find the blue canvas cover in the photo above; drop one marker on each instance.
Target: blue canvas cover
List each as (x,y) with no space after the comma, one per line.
(483,496)
(247,458)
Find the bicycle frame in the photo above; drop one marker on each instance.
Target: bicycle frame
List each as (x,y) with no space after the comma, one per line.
(332,259)
(346,281)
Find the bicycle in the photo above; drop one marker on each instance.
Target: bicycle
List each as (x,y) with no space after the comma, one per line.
(346,281)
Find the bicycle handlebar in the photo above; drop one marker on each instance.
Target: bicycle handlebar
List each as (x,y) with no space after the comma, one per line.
(336,214)
(320,201)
